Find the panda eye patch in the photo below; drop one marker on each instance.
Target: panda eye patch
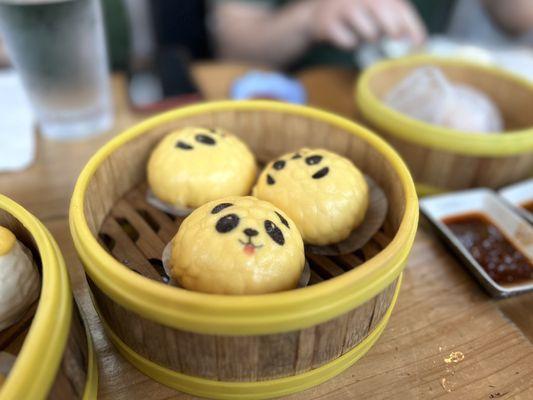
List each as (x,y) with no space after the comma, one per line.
(321,173)
(274,232)
(312,160)
(220,207)
(227,223)
(283,220)
(205,139)
(183,145)
(280,164)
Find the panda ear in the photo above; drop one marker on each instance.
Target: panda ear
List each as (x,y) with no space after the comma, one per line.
(220,207)
(205,139)
(312,160)
(283,220)
(183,145)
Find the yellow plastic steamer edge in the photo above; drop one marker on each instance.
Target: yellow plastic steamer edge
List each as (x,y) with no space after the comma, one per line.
(242,315)
(37,363)
(252,390)
(409,129)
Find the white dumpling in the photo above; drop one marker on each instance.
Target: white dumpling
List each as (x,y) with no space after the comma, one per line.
(428,95)
(19,279)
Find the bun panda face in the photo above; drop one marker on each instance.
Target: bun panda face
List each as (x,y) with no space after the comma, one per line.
(192,144)
(314,162)
(324,194)
(194,165)
(237,245)
(200,139)
(250,231)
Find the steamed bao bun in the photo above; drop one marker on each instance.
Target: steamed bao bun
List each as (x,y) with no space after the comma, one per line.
(323,193)
(237,245)
(19,279)
(194,165)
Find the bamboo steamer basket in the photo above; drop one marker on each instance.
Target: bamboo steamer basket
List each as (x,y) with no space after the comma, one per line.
(56,358)
(442,159)
(237,347)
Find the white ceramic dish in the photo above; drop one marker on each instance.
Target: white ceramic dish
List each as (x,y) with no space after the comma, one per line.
(518,195)
(487,202)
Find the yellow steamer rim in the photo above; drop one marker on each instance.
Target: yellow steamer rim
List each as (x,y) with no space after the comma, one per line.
(394,123)
(242,315)
(36,366)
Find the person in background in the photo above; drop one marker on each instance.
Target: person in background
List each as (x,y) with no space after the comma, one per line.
(137,29)
(292,34)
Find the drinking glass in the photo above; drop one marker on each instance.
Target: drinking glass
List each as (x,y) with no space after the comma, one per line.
(58,48)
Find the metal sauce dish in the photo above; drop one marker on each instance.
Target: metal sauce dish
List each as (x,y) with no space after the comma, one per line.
(486,202)
(519,196)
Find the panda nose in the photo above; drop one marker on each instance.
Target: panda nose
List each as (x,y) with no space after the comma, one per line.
(250,232)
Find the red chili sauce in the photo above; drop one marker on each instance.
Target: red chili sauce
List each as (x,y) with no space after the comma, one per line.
(490,248)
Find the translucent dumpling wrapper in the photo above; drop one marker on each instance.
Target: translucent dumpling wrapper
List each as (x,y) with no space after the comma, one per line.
(427,95)
(19,279)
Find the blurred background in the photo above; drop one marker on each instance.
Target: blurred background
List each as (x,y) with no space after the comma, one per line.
(62,51)
(292,35)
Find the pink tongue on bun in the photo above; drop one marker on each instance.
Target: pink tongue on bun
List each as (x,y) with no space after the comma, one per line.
(249,249)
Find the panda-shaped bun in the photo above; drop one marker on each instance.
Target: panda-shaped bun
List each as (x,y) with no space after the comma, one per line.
(194,165)
(237,245)
(324,194)
(19,279)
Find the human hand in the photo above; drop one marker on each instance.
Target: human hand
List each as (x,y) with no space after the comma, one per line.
(346,23)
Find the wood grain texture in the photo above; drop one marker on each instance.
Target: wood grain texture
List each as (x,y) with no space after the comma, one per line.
(71,377)
(448,170)
(452,171)
(243,358)
(440,308)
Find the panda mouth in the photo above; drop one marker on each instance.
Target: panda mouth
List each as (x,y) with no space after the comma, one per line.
(249,247)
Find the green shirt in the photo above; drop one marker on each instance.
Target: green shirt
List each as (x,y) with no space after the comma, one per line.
(117,33)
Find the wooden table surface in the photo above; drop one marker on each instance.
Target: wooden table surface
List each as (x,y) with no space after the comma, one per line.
(440,310)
